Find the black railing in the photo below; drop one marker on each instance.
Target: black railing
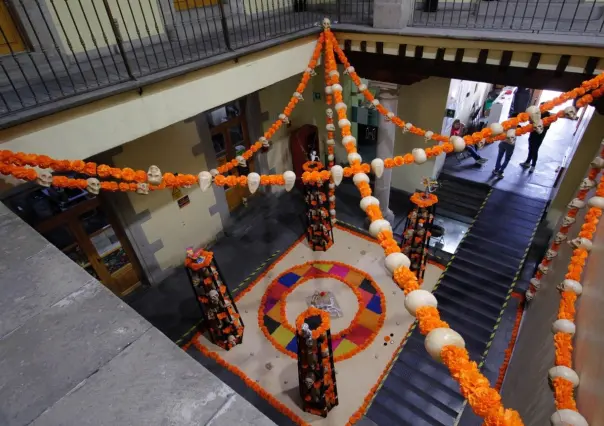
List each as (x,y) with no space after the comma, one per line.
(51,50)
(567,17)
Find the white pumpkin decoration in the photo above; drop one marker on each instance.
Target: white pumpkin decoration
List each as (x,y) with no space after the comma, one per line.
(369,201)
(458,143)
(496,129)
(564,372)
(360,177)
(353,157)
(419,156)
(438,338)
(597,202)
(377,165)
(290,180)
(419,298)
(567,417)
(378,226)
(563,326)
(396,260)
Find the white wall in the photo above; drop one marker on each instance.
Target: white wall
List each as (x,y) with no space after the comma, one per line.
(88,130)
(422,104)
(178,228)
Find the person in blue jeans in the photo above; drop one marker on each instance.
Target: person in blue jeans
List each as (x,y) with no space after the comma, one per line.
(506,149)
(457,130)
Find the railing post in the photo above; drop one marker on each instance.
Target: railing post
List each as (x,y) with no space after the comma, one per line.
(118,37)
(225,28)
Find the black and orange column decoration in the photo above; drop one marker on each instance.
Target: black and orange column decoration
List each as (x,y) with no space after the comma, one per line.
(416,236)
(331,134)
(316,372)
(319,214)
(221,319)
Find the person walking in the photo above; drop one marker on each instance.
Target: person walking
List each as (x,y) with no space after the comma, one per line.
(535,141)
(506,149)
(456,130)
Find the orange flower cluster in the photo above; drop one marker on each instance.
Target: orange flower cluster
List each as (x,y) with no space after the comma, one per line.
(424,200)
(282,408)
(314,312)
(356,168)
(315,177)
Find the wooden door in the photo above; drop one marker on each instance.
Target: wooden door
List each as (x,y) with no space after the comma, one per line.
(229,139)
(302,142)
(10,40)
(90,235)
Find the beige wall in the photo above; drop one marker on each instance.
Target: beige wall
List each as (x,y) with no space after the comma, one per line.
(422,104)
(139,20)
(465,94)
(171,150)
(88,130)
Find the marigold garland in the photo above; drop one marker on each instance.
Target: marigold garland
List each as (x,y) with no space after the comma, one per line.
(424,200)
(314,312)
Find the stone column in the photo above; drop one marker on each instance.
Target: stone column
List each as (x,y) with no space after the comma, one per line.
(388,96)
(392,14)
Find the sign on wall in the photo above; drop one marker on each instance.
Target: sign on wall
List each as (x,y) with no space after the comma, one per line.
(184,201)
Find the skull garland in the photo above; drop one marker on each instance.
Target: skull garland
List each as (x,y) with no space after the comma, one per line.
(44,178)
(510,136)
(570,112)
(154,176)
(534,115)
(543,269)
(581,243)
(576,203)
(529,295)
(284,118)
(560,238)
(539,127)
(550,254)
(587,184)
(241,161)
(93,185)
(298,96)
(597,163)
(265,142)
(536,283)
(568,221)
(142,188)
(329,113)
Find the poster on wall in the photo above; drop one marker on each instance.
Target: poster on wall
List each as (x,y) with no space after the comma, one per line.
(176,193)
(184,201)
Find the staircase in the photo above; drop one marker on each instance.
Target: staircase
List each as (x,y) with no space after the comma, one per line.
(459,199)
(471,294)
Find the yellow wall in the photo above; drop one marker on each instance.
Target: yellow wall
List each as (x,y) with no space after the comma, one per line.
(91,129)
(170,150)
(128,21)
(422,104)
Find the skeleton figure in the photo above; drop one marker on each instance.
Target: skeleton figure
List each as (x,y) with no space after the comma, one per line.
(567,221)
(543,269)
(560,237)
(94,186)
(550,254)
(142,188)
(241,161)
(313,156)
(44,178)
(214,298)
(576,204)
(329,112)
(587,184)
(154,176)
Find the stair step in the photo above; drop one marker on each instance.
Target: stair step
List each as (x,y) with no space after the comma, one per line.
(403,410)
(503,236)
(470,272)
(478,330)
(487,267)
(523,226)
(462,285)
(487,284)
(467,307)
(452,291)
(495,209)
(509,264)
(463,218)
(459,200)
(511,200)
(481,243)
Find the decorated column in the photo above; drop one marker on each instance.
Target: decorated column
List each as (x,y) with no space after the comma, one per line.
(316,372)
(320,214)
(416,237)
(221,318)
(387,96)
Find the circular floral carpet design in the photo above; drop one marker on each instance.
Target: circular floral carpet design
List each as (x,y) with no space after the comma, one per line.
(345,344)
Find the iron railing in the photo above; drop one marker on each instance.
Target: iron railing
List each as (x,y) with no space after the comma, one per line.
(51,50)
(572,17)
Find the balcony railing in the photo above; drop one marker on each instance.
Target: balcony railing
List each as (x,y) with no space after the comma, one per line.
(54,50)
(570,17)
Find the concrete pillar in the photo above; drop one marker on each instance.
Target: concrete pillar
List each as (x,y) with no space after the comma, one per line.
(387,94)
(392,14)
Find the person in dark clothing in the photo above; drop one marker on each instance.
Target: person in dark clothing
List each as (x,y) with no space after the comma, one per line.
(457,130)
(535,141)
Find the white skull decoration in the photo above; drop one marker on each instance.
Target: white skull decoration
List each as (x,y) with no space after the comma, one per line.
(534,114)
(568,221)
(570,112)
(241,161)
(587,184)
(330,127)
(310,71)
(550,254)
(298,96)
(154,176)
(536,283)
(265,142)
(543,269)
(576,204)
(529,295)
(428,135)
(582,243)
(94,186)
(407,127)
(142,188)
(309,380)
(539,127)
(389,116)
(510,136)
(44,178)
(329,112)
(560,237)
(213,173)
(326,23)
(232,340)
(213,294)
(284,118)
(597,163)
